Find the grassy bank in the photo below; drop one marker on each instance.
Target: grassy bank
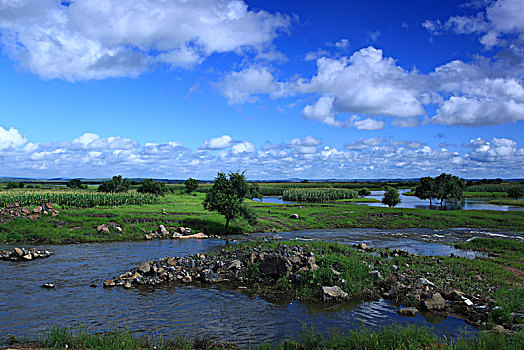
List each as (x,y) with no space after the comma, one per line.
(79,224)
(507,202)
(393,337)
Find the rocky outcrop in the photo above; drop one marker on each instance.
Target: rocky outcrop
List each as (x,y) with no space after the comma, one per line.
(13,211)
(21,254)
(172,232)
(226,266)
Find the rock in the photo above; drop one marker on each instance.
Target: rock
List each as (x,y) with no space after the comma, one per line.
(333,293)
(210,277)
(435,302)
(187,279)
(109,283)
(235,264)
(18,252)
(34,217)
(92,285)
(144,267)
(48,285)
(498,329)
(49,206)
(408,311)
(199,235)
(467,301)
(162,230)
(127,285)
(118,229)
(37,209)
(148,236)
(26,210)
(176,235)
(362,246)
(424,283)
(181,230)
(101,228)
(27,257)
(293,216)
(375,275)
(55,213)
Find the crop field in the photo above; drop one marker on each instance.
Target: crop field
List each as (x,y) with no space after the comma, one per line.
(504,187)
(75,199)
(317,195)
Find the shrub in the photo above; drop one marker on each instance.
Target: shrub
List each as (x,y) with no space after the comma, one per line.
(116,184)
(153,187)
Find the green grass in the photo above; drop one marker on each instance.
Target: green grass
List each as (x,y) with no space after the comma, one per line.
(361,337)
(79,224)
(507,202)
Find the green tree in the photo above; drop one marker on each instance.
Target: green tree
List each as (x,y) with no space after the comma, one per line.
(364,192)
(116,184)
(153,187)
(516,192)
(21,184)
(254,191)
(427,189)
(449,187)
(75,183)
(191,185)
(391,197)
(11,185)
(226,197)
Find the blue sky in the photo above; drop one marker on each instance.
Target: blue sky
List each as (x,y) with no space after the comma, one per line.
(281,89)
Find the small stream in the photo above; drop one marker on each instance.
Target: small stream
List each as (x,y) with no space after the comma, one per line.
(26,309)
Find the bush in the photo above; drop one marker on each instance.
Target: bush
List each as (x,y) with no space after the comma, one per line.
(116,184)
(153,187)
(191,185)
(364,192)
(516,192)
(391,197)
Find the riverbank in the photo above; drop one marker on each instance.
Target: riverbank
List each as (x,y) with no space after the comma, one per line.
(134,222)
(394,337)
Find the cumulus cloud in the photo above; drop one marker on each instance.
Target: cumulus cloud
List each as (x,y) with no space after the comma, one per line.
(217,143)
(299,157)
(239,87)
(10,138)
(97,39)
(364,143)
(498,20)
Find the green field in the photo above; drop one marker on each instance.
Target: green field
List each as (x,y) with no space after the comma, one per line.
(75,224)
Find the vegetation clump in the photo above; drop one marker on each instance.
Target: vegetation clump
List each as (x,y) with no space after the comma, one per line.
(191,185)
(317,194)
(442,187)
(391,197)
(152,187)
(226,197)
(76,183)
(116,184)
(364,192)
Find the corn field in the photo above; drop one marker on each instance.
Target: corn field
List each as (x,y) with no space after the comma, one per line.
(77,199)
(317,194)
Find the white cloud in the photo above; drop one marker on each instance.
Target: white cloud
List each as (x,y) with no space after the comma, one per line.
(10,138)
(307,145)
(239,87)
(97,39)
(243,147)
(300,157)
(217,143)
(497,23)
(342,44)
(363,143)
(368,124)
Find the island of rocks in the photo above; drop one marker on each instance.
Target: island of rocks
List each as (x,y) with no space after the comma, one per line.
(22,254)
(266,266)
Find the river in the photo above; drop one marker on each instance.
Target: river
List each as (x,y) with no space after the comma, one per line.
(26,309)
